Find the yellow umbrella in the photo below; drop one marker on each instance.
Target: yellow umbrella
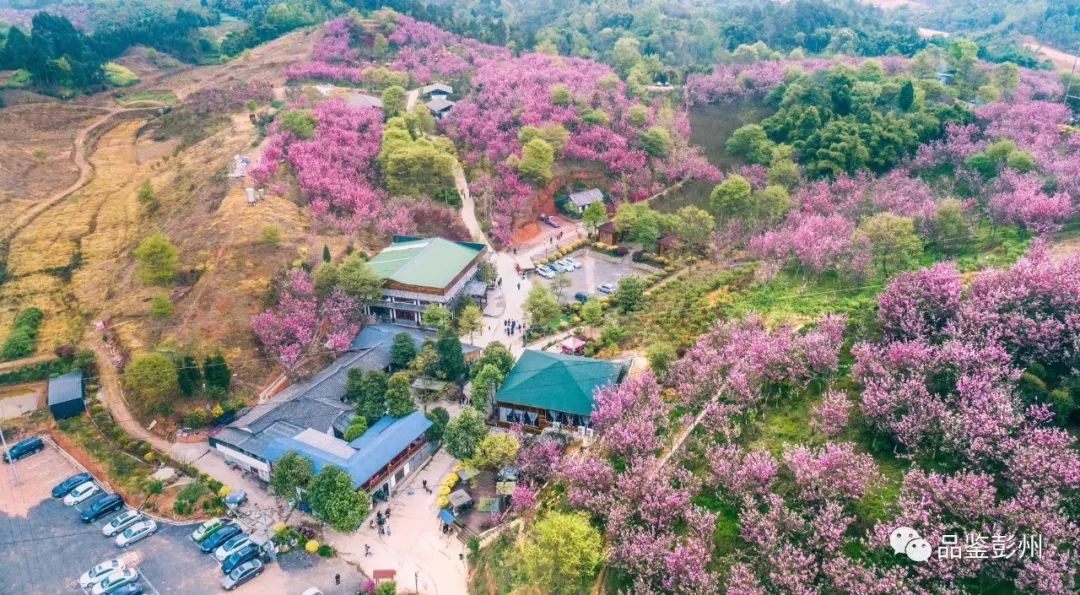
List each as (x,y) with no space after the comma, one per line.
(444,491)
(444,502)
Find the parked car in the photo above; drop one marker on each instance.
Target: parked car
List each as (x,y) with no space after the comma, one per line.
(120,522)
(69,484)
(248,552)
(137,532)
(581,297)
(81,493)
(607,288)
(23,448)
(101,507)
(207,529)
(561,266)
(231,546)
(545,271)
(236,498)
(242,574)
(573,262)
(115,580)
(219,537)
(129,589)
(98,573)
(550,221)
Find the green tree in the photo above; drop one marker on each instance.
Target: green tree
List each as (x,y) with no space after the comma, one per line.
(394,100)
(639,115)
(470,320)
(299,122)
(495,451)
(326,257)
(950,226)
(157,260)
(402,351)
(450,361)
(496,354)
(751,143)
(386,588)
(891,238)
(485,383)
(325,279)
(271,235)
(147,197)
(561,96)
(439,418)
(217,373)
(906,98)
(730,199)
(334,500)
(1021,161)
(152,378)
(356,429)
(770,204)
(291,472)
(631,294)
(594,216)
(695,227)
(561,552)
(161,306)
(464,433)
(626,54)
(656,142)
(368,391)
(784,172)
(537,157)
(438,317)
(1000,150)
(1007,77)
(357,279)
(660,356)
(554,134)
(399,400)
(542,307)
(592,313)
(982,163)
(558,284)
(188,376)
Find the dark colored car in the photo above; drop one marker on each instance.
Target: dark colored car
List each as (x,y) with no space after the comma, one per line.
(219,537)
(250,552)
(242,574)
(101,507)
(581,297)
(24,448)
(130,589)
(69,484)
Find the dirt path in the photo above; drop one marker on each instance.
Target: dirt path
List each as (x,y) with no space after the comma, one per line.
(83,144)
(112,393)
(26,361)
(468,207)
(410,99)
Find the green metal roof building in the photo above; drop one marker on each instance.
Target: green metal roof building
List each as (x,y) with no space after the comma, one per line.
(545,388)
(418,272)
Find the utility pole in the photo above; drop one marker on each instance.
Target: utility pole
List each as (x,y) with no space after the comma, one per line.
(3,441)
(416,581)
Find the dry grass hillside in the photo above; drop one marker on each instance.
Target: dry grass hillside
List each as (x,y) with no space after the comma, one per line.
(75,259)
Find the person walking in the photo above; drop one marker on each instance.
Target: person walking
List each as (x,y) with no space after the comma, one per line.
(367,551)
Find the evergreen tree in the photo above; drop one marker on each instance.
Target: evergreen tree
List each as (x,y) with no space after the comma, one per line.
(403,351)
(217,373)
(188,375)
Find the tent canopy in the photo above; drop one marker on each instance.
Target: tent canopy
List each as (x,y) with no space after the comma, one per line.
(446,517)
(460,498)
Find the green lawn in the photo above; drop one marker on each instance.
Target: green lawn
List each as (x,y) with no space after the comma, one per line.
(166,97)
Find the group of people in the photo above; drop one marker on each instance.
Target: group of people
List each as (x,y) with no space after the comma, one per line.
(383,521)
(511,326)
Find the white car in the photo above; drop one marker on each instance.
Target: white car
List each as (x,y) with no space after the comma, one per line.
(98,573)
(114,580)
(560,266)
(206,529)
(140,530)
(120,522)
(81,493)
(231,546)
(574,263)
(608,288)
(545,271)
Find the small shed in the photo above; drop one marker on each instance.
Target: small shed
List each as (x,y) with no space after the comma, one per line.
(66,397)
(436,89)
(460,500)
(440,106)
(583,199)
(382,575)
(668,245)
(607,234)
(572,346)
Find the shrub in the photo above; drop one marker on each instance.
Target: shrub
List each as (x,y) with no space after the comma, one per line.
(326,551)
(271,235)
(311,546)
(161,306)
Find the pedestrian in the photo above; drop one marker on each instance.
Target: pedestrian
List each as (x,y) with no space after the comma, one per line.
(337,579)
(388,529)
(367,551)
(500,281)
(519,285)
(515,250)
(388,513)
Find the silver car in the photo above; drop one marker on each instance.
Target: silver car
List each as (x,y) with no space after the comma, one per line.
(231,546)
(607,288)
(545,271)
(561,266)
(139,531)
(572,262)
(242,574)
(120,522)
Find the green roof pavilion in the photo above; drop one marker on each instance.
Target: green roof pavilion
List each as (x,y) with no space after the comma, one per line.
(424,262)
(558,382)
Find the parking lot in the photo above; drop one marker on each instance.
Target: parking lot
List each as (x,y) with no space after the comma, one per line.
(596,270)
(44,546)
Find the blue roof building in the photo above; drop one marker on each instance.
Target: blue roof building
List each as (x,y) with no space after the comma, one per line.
(388,451)
(66,396)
